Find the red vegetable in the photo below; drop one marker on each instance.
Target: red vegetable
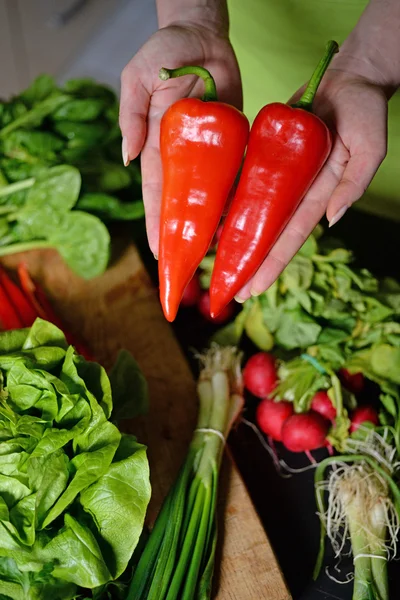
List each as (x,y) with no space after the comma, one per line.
(322,404)
(287,148)
(271,416)
(202,144)
(306,431)
(9,318)
(44,310)
(203,305)
(192,292)
(354,382)
(21,305)
(363,414)
(259,374)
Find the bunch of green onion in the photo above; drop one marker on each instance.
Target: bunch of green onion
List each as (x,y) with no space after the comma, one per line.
(363,506)
(178,560)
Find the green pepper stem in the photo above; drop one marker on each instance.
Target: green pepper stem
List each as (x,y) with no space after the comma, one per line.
(210,92)
(307,99)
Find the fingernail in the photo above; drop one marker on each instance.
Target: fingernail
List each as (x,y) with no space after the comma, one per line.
(254,292)
(338,216)
(239,299)
(155,256)
(125,156)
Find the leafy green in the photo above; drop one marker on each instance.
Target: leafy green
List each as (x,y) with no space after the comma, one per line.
(45,220)
(35,116)
(83,242)
(332,314)
(111,208)
(299,380)
(39,89)
(62,144)
(81,134)
(73,489)
(126,376)
(85,109)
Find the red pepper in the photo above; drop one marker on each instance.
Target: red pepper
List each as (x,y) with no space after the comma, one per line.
(18,305)
(202,144)
(288,145)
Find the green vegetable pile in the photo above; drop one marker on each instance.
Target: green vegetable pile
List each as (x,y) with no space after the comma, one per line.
(324,315)
(73,489)
(332,313)
(60,159)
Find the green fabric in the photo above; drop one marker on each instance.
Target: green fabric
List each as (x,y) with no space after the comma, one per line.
(279,42)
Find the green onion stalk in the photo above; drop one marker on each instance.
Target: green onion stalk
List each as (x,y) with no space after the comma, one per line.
(363,506)
(178,560)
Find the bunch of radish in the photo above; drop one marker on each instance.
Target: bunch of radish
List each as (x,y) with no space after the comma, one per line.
(301,432)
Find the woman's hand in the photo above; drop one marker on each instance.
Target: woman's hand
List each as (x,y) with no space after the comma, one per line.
(145,98)
(355,109)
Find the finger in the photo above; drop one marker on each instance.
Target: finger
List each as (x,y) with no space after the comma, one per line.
(303,222)
(152,180)
(134,106)
(356,178)
(300,226)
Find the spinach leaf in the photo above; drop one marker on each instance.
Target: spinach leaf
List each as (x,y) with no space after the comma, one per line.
(59,188)
(10,111)
(17,170)
(40,88)
(111,208)
(104,176)
(83,242)
(89,88)
(81,134)
(35,116)
(86,109)
(28,145)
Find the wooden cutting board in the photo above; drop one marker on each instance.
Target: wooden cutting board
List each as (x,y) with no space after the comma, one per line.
(118,310)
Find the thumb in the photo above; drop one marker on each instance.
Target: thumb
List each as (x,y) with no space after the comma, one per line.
(134,106)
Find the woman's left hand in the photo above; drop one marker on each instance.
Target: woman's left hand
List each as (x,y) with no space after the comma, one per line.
(355,109)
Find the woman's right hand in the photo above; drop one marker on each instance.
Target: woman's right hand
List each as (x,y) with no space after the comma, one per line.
(145,98)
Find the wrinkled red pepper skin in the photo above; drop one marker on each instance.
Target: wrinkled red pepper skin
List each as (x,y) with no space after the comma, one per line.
(287,149)
(202,146)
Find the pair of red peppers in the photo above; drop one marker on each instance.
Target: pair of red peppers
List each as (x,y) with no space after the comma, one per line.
(202,144)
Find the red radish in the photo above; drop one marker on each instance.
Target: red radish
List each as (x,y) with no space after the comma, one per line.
(305,431)
(259,374)
(192,292)
(271,416)
(203,305)
(322,404)
(363,414)
(354,382)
